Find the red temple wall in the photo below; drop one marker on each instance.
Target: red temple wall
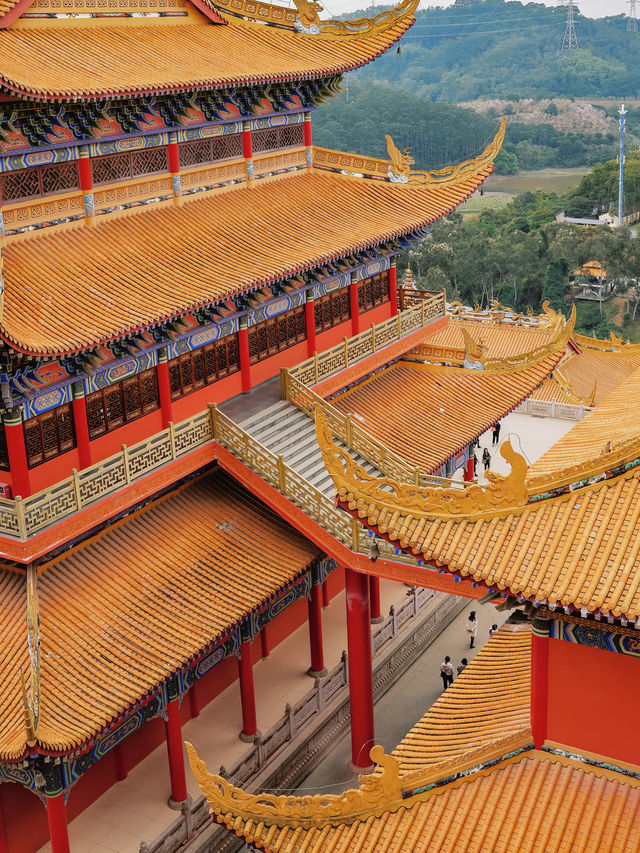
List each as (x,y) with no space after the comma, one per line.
(376,315)
(219,391)
(335,582)
(25,819)
(331,337)
(593,700)
(263,370)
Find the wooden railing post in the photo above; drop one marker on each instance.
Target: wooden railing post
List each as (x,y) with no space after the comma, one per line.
(282,485)
(345,343)
(284,385)
(422,312)
(373,337)
(125,462)
(315,367)
(213,418)
(355,536)
(172,439)
(416,477)
(399,325)
(22,522)
(348,431)
(76,487)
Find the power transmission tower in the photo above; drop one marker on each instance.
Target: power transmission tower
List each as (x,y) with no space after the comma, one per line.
(632,20)
(570,40)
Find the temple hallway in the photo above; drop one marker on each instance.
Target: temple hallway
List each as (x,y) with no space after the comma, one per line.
(136,810)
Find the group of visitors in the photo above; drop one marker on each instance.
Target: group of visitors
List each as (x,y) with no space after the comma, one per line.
(486,456)
(446,667)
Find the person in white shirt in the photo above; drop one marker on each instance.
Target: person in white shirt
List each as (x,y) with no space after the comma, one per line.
(472,628)
(446,671)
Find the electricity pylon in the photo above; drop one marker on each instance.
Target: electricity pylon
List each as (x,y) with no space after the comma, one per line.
(632,20)
(570,40)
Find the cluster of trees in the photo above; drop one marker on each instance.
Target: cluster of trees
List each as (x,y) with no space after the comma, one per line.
(440,134)
(497,47)
(521,256)
(598,191)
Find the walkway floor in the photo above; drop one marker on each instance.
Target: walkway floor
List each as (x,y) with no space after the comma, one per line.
(135,809)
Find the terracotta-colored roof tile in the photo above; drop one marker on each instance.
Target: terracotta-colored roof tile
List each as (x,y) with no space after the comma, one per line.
(501,339)
(69,288)
(121,613)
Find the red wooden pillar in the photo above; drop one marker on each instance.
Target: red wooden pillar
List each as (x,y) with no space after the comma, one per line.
(16,450)
(374,599)
(539,680)
(393,287)
(247,148)
(265,645)
(360,667)
(468,471)
(325,595)
(174,163)
(249,731)
(4,844)
(353,304)
(307,130)
(315,631)
(243,352)
(310,322)
(57,817)
(164,388)
(194,705)
(86,181)
(81,425)
(176,754)
(121,764)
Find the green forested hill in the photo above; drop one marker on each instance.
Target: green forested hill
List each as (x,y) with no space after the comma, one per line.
(440,134)
(506,49)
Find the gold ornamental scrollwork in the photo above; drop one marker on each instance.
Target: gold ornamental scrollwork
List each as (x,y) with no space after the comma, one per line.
(376,794)
(361,491)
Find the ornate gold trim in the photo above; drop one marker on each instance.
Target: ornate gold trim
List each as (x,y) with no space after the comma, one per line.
(454,174)
(305,18)
(358,489)
(614,346)
(376,794)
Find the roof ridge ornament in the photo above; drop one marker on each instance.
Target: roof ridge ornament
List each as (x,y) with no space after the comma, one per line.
(401,163)
(358,489)
(377,793)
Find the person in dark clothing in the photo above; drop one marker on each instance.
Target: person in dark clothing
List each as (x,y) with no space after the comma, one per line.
(462,665)
(495,429)
(475,465)
(446,671)
(472,628)
(486,458)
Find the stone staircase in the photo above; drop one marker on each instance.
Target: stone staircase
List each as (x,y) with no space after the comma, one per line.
(284,430)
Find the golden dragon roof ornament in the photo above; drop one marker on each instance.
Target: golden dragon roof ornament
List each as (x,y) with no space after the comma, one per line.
(358,489)
(305,18)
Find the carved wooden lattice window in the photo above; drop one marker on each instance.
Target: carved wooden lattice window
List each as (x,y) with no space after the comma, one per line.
(373,291)
(273,138)
(41,180)
(194,370)
(276,334)
(125,401)
(332,309)
(49,435)
(199,151)
(129,164)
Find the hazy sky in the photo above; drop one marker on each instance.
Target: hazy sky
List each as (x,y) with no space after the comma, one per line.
(590,8)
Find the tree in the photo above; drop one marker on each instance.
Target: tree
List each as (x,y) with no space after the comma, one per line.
(555,282)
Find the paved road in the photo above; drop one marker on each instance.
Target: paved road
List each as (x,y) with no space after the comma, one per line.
(403,705)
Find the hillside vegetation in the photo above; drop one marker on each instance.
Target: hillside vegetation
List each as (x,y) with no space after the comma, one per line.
(501,49)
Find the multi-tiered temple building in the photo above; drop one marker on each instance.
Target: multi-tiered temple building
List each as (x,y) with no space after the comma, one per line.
(171,239)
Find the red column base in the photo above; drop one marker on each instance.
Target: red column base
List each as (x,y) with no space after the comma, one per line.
(57,817)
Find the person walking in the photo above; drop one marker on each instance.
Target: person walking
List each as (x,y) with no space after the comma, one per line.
(446,671)
(492,630)
(462,665)
(486,458)
(497,432)
(472,628)
(475,465)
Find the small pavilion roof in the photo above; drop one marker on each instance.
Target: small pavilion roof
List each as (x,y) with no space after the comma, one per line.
(501,340)
(428,412)
(453,787)
(60,60)
(590,372)
(71,287)
(125,610)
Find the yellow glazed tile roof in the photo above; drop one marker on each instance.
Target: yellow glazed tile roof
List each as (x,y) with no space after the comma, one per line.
(79,61)
(71,287)
(501,339)
(122,612)
(530,803)
(488,701)
(604,438)
(578,549)
(427,413)
(589,375)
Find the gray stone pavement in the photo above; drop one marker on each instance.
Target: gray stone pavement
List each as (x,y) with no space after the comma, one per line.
(409,698)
